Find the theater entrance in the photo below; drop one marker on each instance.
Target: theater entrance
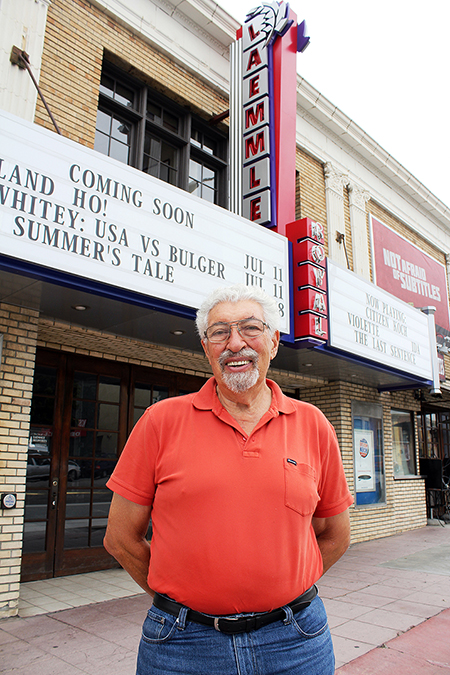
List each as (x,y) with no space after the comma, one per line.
(81,414)
(434,457)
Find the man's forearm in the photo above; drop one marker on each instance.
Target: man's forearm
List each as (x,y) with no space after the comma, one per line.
(333,537)
(331,551)
(134,559)
(125,538)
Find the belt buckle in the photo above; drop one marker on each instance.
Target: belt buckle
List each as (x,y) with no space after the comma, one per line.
(228,618)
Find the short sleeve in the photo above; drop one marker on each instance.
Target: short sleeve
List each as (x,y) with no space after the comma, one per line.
(134,475)
(334,494)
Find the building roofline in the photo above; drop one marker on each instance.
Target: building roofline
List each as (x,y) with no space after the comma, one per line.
(210,16)
(333,119)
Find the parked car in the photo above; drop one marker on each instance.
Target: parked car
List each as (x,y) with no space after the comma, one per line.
(38,468)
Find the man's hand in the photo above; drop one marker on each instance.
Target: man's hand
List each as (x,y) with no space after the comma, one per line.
(125,538)
(333,537)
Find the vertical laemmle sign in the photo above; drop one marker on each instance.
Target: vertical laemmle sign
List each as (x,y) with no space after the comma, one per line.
(259,116)
(258,133)
(261,28)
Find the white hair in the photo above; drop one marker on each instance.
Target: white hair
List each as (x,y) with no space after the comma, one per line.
(237,293)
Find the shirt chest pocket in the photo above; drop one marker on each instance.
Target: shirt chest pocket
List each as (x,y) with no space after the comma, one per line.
(300,487)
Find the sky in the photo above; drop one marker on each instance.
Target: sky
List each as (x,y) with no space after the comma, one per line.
(385,64)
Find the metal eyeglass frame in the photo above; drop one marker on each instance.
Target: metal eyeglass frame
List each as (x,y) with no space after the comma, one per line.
(237,324)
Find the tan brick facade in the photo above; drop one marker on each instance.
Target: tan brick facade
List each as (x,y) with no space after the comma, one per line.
(19,329)
(70,78)
(404,507)
(311,198)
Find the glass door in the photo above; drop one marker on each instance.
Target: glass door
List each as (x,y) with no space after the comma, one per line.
(81,414)
(78,427)
(94,431)
(42,480)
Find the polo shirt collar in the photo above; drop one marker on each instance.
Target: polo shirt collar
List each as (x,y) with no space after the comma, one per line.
(207,399)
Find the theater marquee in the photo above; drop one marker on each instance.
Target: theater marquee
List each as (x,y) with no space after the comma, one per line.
(67,208)
(367,322)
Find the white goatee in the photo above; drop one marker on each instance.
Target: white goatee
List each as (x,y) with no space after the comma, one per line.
(240,382)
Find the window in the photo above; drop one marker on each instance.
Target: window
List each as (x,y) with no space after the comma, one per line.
(110,87)
(403,450)
(434,438)
(138,126)
(163,117)
(160,159)
(113,136)
(368,453)
(145,395)
(202,181)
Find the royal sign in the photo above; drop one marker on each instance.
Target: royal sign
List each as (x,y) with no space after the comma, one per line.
(310,280)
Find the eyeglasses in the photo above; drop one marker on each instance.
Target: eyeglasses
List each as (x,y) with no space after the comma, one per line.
(247,328)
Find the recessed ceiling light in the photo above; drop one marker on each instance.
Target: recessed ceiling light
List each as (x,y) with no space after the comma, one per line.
(80,308)
(178,332)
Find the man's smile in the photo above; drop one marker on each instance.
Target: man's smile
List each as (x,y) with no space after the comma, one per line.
(238,362)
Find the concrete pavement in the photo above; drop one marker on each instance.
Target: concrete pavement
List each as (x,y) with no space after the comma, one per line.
(379,597)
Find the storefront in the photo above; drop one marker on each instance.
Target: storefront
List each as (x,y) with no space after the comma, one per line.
(111,234)
(82,411)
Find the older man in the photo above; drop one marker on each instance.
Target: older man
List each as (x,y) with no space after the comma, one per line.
(249,506)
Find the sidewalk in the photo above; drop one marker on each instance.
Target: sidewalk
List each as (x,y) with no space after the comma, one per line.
(378,592)
(379,597)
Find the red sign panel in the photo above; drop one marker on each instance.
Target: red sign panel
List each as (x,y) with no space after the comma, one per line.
(312,300)
(311,325)
(408,273)
(310,275)
(310,283)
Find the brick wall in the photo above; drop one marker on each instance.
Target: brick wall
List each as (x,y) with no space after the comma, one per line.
(19,329)
(405,506)
(77,339)
(311,185)
(77,37)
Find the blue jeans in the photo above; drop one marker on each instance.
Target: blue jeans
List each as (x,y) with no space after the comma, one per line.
(298,645)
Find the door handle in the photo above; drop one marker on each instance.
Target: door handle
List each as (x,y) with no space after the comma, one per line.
(54,495)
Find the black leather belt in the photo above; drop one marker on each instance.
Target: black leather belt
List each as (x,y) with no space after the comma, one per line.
(242,624)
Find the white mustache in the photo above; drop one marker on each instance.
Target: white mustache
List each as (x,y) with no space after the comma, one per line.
(245,353)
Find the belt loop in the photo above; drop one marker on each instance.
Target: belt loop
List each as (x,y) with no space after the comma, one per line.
(289,615)
(181,618)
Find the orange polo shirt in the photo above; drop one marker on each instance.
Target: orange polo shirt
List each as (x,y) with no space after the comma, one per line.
(231,512)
